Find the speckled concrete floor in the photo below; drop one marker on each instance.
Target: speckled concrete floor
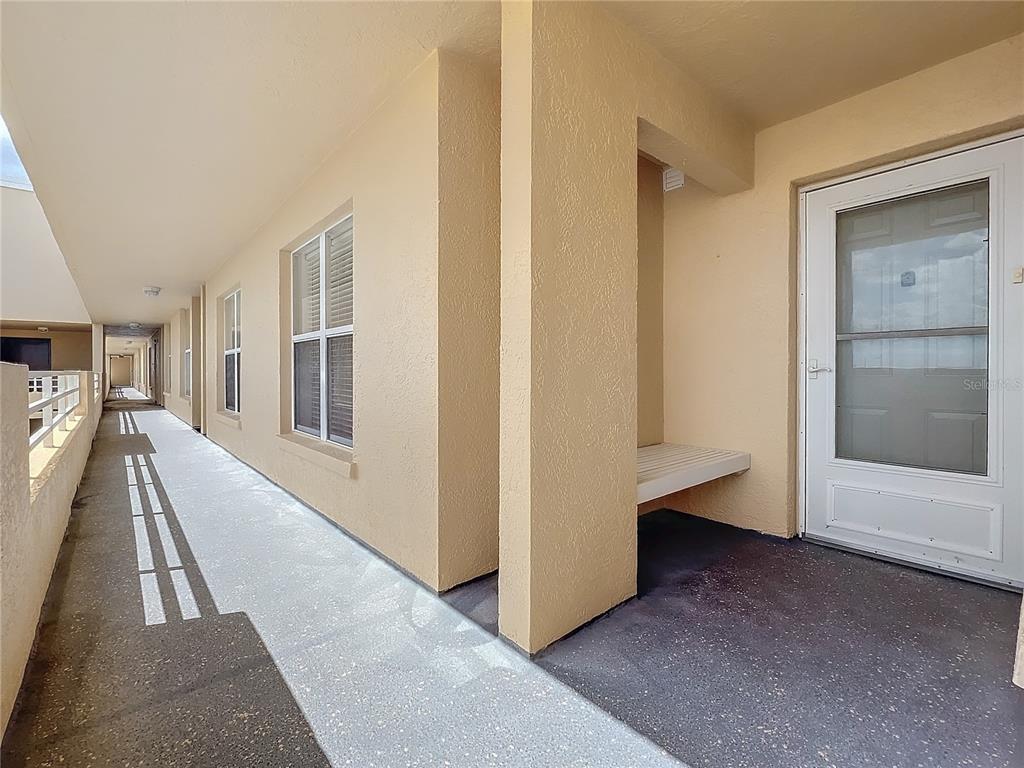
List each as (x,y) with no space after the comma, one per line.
(127,393)
(200,616)
(745,650)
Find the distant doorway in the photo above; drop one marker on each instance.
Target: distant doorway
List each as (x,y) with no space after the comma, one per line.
(120,371)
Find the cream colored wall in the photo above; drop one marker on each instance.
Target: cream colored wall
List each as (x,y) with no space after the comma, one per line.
(395,489)
(35,505)
(183,329)
(69,350)
(581,94)
(469,265)
(650,227)
(35,283)
(731,274)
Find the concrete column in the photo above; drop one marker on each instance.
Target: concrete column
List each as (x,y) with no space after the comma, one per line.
(195,331)
(581,95)
(568,368)
(99,355)
(468,277)
(85,394)
(14,519)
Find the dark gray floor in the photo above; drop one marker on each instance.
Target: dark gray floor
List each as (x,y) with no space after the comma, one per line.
(746,650)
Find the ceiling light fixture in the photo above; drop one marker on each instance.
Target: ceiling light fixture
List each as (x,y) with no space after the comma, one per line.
(151,290)
(135,326)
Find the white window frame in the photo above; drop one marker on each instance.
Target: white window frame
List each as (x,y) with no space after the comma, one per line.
(236,295)
(322,334)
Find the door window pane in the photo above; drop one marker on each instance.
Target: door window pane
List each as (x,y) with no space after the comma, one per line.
(307,386)
(914,263)
(916,402)
(912,331)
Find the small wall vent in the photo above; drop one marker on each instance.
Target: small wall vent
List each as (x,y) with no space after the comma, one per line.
(672,178)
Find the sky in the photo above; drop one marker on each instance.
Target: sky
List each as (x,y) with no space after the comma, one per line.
(12,172)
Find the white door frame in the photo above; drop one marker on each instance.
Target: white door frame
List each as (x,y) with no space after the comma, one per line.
(802,299)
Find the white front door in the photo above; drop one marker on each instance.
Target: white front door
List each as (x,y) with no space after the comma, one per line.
(913,373)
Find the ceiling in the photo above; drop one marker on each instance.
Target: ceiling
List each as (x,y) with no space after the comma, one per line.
(124,345)
(160,136)
(773,61)
(133,331)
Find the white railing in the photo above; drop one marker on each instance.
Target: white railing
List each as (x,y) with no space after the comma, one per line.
(58,397)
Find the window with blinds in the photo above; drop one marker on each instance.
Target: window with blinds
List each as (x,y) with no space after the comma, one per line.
(322,303)
(232,350)
(187,383)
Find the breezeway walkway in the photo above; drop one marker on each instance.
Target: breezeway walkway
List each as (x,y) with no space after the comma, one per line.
(199,615)
(126,393)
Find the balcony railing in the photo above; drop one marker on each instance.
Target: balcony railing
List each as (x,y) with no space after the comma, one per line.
(58,397)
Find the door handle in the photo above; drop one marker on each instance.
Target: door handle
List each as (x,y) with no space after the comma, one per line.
(813,369)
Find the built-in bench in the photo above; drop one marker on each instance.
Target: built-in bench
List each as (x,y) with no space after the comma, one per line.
(666,468)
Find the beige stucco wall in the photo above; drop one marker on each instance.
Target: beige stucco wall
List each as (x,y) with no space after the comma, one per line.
(34,511)
(581,94)
(183,330)
(399,489)
(69,350)
(35,283)
(731,279)
(469,264)
(650,227)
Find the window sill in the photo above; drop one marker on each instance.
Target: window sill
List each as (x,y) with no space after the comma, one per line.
(228,419)
(334,458)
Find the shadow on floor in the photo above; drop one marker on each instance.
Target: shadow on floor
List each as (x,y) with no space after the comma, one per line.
(134,665)
(747,650)
(127,394)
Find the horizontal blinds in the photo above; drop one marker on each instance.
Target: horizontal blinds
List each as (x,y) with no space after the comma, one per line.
(238,319)
(307,386)
(339,386)
(306,288)
(230,378)
(188,373)
(232,333)
(339,274)
(229,320)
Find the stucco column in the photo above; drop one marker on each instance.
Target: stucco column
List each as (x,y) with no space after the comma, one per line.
(568,305)
(85,394)
(14,520)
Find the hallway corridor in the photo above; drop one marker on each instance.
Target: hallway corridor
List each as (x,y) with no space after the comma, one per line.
(122,394)
(199,614)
